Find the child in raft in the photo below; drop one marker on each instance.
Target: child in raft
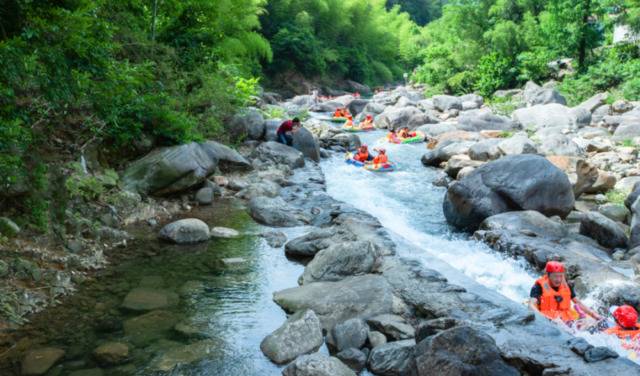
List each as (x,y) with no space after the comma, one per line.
(381,158)
(367,122)
(349,122)
(363,154)
(404,133)
(341,112)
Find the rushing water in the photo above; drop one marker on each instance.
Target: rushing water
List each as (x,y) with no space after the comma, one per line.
(409,206)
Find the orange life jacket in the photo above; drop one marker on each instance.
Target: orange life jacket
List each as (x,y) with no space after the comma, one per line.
(380,158)
(549,305)
(624,333)
(362,156)
(339,113)
(348,123)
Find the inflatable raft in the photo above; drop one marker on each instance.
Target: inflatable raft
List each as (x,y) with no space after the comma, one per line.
(378,167)
(394,139)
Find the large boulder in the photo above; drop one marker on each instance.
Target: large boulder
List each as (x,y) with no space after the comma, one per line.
(444,151)
(178,168)
(335,302)
(519,182)
(445,103)
(352,333)
(394,118)
(604,230)
(304,141)
(544,116)
(300,334)
(248,123)
(274,212)
(357,106)
(535,95)
(185,231)
(393,358)
(480,120)
(518,144)
(342,260)
(317,365)
(276,152)
(461,351)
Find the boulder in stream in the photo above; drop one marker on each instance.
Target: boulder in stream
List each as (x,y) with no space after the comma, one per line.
(342,260)
(317,365)
(185,231)
(38,361)
(300,334)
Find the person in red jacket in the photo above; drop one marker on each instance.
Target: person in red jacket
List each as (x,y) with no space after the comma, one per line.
(286,129)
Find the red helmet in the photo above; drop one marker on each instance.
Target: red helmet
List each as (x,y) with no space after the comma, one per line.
(626,316)
(554,267)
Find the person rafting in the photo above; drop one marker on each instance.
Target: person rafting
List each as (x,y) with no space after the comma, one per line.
(363,154)
(626,327)
(341,113)
(552,296)
(349,122)
(381,158)
(285,130)
(367,122)
(405,133)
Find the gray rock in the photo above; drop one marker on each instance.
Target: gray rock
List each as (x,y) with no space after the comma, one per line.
(432,327)
(480,120)
(349,334)
(518,144)
(274,212)
(353,358)
(8,227)
(393,327)
(182,355)
(474,98)
(204,196)
(311,243)
(621,106)
(340,261)
(276,152)
(88,372)
(393,358)
(39,361)
(519,182)
(461,351)
(434,130)
(376,339)
(185,231)
(545,116)
(248,123)
(598,354)
(394,118)
(536,95)
(300,334)
(444,151)
(275,239)
(271,128)
(604,230)
(148,299)
(335,302)
(579,345)
(142,330)
(594,102)
(457,163)
(627,130)
(175,169)
(317,365)
(486,150)
(223,232)
(616,212)
(445,103)
(304,141)
(559,145)
(111,353)
(582,116)
(357,106)
(598,115)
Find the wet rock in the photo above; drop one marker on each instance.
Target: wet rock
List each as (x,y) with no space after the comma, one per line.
(111,353)
(353,358)
(317,365)
(461,351)
(376,339)
(204,196)
(88,372)
(311,243)
(175,169)
(193,328)
(349,334)
(8,227)
(185,231)
(304,141)
(393,358)
(393,326)
(340,261)
(521,182)
(39,361)
(275,239)
(223,232)
(142,330)
(274,212)
(599,353)
(276,152)
(432,327)
(335,302)
(604,230)
(186,354)
(300,334)
(231,261)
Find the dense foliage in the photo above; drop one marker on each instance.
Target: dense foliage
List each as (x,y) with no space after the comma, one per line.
(358,39)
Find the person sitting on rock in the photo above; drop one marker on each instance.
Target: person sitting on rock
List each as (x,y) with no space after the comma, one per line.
(363,154)
(626,327)
(367,122)
(552,296)
(381,158)
(285,130)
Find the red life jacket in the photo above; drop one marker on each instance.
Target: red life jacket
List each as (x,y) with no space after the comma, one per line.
(556,304)
(361,156)
(380,158)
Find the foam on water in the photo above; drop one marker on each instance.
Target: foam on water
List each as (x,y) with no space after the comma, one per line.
(407,204)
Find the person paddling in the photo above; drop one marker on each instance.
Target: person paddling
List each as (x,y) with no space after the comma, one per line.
(381,158)
(286,129)
(363,154)
(551,295)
